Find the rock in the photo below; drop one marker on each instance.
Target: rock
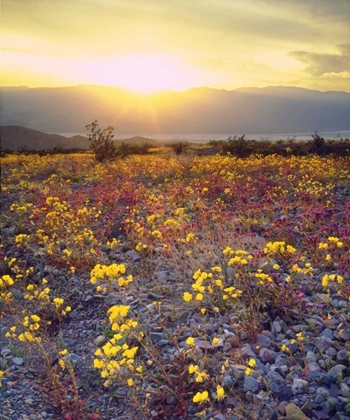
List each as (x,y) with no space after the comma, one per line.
(235,341)
(311,356)
(273,376)
(156,336)
(219,416)
(313,367)
(273,416)
(314,376)
(330,323)
(263,340)
(161,276)
(100,341)
(344,390)
(247,352)
(327,333)
(18,361)
(282,407)
(284,393)
(308,407)
(323,343)
(342,356)
(337,369)
(320,415)
(276,326)
(74,359)
(342,334)
(229,380)
(111,299)
(295,413)
(267,355)
(134,255)
(328,379)
(299,385)
(250,384)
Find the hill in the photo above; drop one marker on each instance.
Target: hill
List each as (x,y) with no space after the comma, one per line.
(14,137)
(139,141)
(196,111)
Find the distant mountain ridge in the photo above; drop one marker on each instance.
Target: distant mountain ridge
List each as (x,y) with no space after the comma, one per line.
(14,137)
(203,110)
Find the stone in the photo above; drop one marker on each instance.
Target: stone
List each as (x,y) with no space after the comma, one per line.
(327,333)
(344,390)
(100,341)
(219,416)
(308,407)
(342,356)
(250,384)
(276,327)
(18,361)
(284,393)
(323,343)
(229,381)
(342,334)
(328,379)
(156,336)
(247,352)
(134,255)
(311,356)
(330,323)
(267,355)
(73,358)
(263,340)
(337,369)
(235,341)
(273,416)
(282,407)
(111,299)
(299,385)
(295,413)
(320,415)
(313,367)
(273,376)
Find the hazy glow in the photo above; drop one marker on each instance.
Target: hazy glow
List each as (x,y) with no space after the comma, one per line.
(142,72)
(149,45)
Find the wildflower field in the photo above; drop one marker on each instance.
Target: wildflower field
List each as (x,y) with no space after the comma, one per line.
(173,287)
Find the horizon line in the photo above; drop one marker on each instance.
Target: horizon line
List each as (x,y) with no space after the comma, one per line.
(135,92)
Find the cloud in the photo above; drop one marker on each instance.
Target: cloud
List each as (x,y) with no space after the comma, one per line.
(319,64)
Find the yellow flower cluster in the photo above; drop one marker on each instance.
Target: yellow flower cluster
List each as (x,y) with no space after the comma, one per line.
(198,373)
(32,322)
(110,272)
(250,369)
(22,240)
(263,278)
(278,248)
(5,281)
(211,282)
(116,356)
(201,397)
(331,278)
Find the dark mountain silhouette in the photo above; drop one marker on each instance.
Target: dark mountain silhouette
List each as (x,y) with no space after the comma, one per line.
(15,137)
(196,111)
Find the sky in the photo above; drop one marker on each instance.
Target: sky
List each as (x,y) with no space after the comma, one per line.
(150,45)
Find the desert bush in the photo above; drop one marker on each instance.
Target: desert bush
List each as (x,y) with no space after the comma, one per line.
(180,147)
(102,143)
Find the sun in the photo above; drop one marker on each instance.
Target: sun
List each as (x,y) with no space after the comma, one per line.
(147,73)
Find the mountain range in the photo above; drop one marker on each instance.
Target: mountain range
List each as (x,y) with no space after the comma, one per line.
(195,111)
(15,137)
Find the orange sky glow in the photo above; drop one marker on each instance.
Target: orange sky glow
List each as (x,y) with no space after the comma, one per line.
(153,45)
